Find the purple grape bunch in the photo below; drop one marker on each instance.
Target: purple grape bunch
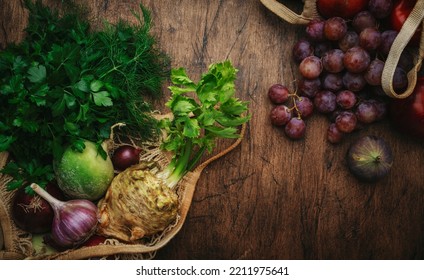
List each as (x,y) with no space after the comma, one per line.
(340,65)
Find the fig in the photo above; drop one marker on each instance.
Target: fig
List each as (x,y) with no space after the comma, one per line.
(369,158)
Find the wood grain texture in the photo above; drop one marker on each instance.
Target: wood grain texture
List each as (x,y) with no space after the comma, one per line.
(272,198)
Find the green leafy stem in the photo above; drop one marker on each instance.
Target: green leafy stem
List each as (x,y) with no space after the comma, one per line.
(202,112)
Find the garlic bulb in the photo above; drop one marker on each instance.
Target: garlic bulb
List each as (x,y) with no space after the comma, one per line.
(138,203)
(74,220)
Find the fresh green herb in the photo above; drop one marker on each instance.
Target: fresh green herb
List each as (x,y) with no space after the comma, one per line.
(213,112)
(65,83)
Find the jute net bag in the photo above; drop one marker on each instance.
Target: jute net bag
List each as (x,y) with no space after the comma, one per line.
(413,22)
(309,11)
(17,244)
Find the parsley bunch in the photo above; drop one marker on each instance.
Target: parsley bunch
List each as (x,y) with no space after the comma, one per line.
(65,83)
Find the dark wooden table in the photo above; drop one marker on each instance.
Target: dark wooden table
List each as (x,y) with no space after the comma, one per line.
(273,198)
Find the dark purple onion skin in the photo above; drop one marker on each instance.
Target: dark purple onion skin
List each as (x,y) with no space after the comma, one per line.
(33,213)
(370,158)
(74,223)
(125,156)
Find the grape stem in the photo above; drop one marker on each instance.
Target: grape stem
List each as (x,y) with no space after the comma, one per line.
(294,96)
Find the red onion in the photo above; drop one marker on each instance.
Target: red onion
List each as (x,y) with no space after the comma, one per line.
(32,213)
(125,156)
(74,220)
(94,240)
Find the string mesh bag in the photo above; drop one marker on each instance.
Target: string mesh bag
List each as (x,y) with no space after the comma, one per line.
(14,243)
(308,13)
(17,244)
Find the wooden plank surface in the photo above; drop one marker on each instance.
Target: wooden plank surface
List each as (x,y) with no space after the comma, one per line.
(272,198)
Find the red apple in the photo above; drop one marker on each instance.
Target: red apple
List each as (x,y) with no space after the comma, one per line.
(346,9)
(400,12)
(407,114)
